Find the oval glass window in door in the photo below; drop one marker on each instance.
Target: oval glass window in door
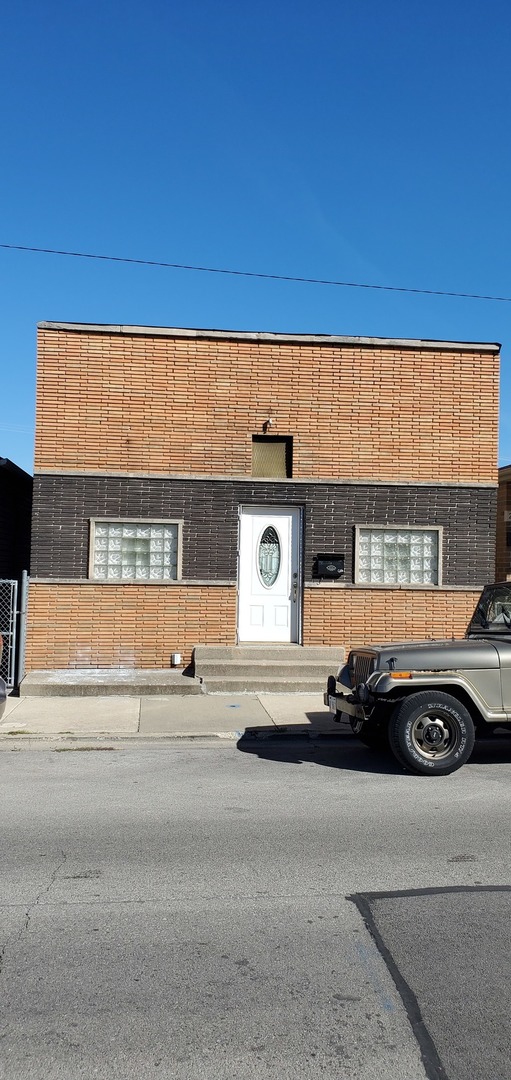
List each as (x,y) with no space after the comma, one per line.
(268,556)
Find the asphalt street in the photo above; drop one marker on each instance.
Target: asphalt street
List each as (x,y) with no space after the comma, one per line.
(208,911)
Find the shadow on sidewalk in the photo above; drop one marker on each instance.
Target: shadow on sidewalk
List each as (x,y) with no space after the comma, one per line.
(299,744)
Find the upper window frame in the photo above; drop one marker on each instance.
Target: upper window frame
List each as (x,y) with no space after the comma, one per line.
(110,519)
(376,525)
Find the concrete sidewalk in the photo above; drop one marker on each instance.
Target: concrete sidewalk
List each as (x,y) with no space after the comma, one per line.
(222,716)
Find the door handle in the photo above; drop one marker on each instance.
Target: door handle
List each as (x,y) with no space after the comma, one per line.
(295,587)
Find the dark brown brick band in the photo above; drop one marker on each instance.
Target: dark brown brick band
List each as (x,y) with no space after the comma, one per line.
(63,506)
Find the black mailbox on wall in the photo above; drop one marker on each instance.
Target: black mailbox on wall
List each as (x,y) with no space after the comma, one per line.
(329,566)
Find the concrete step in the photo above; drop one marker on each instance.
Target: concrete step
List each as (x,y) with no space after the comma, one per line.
(99,682)
(279,669)
(284,669)
(328,653)
(245,684)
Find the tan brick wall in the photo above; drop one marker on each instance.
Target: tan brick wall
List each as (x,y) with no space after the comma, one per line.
(176,405)
(72,626)
(360,616)
(503,553)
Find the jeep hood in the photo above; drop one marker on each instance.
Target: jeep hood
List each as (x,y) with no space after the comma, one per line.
(446,655)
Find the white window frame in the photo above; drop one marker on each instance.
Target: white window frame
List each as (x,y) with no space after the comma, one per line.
(438,529)
(135,521)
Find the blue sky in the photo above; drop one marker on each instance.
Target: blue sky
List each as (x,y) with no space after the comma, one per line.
(346,139)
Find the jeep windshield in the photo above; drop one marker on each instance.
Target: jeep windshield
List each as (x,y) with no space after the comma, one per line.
(493,612)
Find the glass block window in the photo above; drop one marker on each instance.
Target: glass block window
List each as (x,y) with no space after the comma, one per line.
(134,551)
(393,556)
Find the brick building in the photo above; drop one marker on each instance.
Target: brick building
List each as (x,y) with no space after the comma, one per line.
(198,487)
(503,560)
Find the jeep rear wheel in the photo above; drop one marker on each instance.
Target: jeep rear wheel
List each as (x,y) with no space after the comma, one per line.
(432,733)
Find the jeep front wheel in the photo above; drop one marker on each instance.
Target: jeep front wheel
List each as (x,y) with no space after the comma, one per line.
(432,733)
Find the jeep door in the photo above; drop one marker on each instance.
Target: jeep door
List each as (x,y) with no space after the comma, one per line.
(504,650)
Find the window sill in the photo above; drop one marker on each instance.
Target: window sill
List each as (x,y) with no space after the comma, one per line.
(97,581)
(391,588)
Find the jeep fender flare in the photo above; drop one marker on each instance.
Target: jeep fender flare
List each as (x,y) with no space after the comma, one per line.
(387,688)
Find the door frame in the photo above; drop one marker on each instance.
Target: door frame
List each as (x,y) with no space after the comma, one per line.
(267,508)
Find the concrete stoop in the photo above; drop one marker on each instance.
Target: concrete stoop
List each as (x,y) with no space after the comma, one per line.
(272,669)
(235,669)
(107,682)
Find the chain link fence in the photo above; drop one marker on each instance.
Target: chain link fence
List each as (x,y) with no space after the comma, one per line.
(8,617)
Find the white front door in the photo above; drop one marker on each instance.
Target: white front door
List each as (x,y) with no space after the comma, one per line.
(269,587)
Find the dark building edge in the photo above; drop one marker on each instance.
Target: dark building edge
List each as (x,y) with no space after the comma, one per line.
(15,517)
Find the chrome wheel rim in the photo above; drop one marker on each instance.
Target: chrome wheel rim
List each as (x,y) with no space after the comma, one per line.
(435,735)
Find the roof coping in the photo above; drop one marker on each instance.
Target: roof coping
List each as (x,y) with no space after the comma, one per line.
(243,335)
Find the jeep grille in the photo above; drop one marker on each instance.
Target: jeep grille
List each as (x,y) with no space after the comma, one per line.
(363,665)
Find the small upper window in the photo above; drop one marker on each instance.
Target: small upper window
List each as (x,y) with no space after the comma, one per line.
(272,455)
(135,550)
(397,556)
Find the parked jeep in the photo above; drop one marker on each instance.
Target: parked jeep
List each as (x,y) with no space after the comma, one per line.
(426,699)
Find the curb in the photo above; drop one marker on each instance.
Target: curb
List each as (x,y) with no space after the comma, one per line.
(97,739)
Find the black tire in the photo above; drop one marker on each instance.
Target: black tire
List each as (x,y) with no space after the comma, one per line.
(372,733)
(432,733)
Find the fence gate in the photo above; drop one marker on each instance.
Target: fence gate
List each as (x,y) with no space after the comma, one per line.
(8,616)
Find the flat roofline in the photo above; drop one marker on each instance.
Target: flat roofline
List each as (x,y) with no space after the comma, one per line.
(243,335)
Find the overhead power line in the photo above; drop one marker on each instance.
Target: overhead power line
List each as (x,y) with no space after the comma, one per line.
(255,274)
